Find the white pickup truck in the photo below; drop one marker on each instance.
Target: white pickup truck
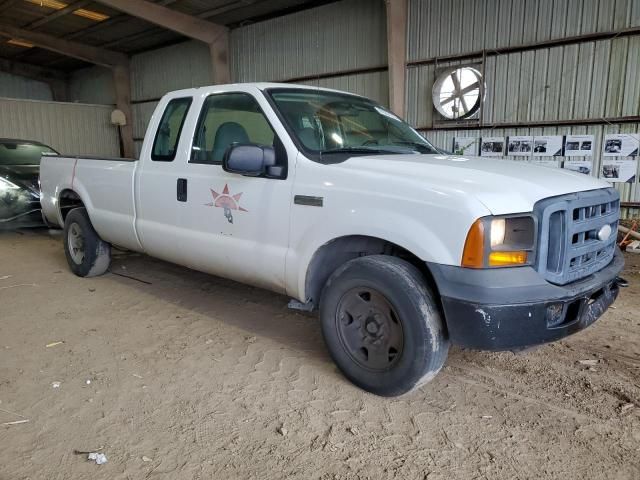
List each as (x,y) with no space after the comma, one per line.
(333,200)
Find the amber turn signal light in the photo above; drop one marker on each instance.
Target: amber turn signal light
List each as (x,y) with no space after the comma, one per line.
(473,254)
(503,259)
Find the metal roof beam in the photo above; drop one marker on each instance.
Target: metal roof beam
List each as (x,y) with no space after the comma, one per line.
(187,25)
(57,14)
(107,23)
(397,14)
(87,53)
(214,35)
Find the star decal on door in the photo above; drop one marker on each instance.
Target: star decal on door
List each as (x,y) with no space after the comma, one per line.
(226,201)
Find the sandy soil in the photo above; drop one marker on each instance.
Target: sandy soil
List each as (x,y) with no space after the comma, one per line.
(185,376)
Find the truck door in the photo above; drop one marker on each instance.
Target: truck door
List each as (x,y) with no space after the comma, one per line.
(228,224)
(161,164)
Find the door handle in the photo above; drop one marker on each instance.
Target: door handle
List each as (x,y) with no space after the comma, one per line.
(181,190)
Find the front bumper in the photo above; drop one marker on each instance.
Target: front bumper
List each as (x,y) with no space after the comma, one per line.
(512,308)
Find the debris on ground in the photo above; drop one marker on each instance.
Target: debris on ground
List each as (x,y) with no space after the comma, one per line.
(626,406)
(53,344)
(55,384)
(20,285)
(146,459)
(634,247)
(590,362)
(99,458)
(16,422)
(282,431)
(353,430)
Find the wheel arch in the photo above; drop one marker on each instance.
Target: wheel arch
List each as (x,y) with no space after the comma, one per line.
(331,255)
(68,199)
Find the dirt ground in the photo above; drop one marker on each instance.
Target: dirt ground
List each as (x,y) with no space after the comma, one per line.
(179,375)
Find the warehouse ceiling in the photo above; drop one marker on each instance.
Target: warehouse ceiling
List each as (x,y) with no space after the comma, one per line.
(92,23)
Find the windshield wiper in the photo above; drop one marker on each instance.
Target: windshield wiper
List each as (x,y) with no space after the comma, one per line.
(353,150)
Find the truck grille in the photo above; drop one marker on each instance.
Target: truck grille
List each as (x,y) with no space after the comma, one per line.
(572,241)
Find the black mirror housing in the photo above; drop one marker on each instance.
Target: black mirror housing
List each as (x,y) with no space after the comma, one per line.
(249,159)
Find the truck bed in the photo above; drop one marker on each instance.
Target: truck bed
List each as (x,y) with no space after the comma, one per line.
(106,188)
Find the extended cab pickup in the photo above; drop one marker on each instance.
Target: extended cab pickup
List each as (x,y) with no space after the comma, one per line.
(333,200)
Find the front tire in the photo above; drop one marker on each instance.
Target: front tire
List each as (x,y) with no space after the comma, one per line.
(382,325)
(87,254)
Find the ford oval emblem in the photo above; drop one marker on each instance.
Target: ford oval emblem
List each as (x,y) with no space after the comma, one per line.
(604,233)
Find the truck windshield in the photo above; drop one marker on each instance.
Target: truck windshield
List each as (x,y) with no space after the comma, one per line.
(330,123)
(22,153)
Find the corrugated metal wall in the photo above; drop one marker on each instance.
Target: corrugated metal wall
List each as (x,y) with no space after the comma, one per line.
(449,27)
(584,81)
(92,85)
(373,85)
(70,128)
(157,72)
(340,36)
(12,86)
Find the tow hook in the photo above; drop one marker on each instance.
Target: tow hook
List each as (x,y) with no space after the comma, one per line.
(621,282)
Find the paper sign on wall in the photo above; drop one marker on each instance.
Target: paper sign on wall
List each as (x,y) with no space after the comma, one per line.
(465,145)
(619,171)
(492,147)
(547,146)
(579,165)
(579,146)
(621,145)
(520,146)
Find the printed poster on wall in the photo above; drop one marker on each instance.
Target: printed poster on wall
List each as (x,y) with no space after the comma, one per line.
(619,170)
(579,146)
(520,146)
(547,145)
(621,145)
(465,145)
(492,147)
(579,165)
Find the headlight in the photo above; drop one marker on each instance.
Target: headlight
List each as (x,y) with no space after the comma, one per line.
(505,241)
(7,185)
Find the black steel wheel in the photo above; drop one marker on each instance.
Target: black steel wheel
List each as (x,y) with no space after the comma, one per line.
(369,329)
(382,326)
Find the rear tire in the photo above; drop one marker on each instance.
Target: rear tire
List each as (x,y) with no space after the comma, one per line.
(87,254)
(382,325)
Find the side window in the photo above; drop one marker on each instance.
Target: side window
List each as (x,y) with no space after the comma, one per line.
(227,119)
(168,134)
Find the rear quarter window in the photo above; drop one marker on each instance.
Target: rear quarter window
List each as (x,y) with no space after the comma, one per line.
(167,137)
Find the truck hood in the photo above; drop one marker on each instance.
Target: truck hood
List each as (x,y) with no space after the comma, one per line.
(503,186)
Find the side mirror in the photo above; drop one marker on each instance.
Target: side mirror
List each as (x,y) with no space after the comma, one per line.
(250,160)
